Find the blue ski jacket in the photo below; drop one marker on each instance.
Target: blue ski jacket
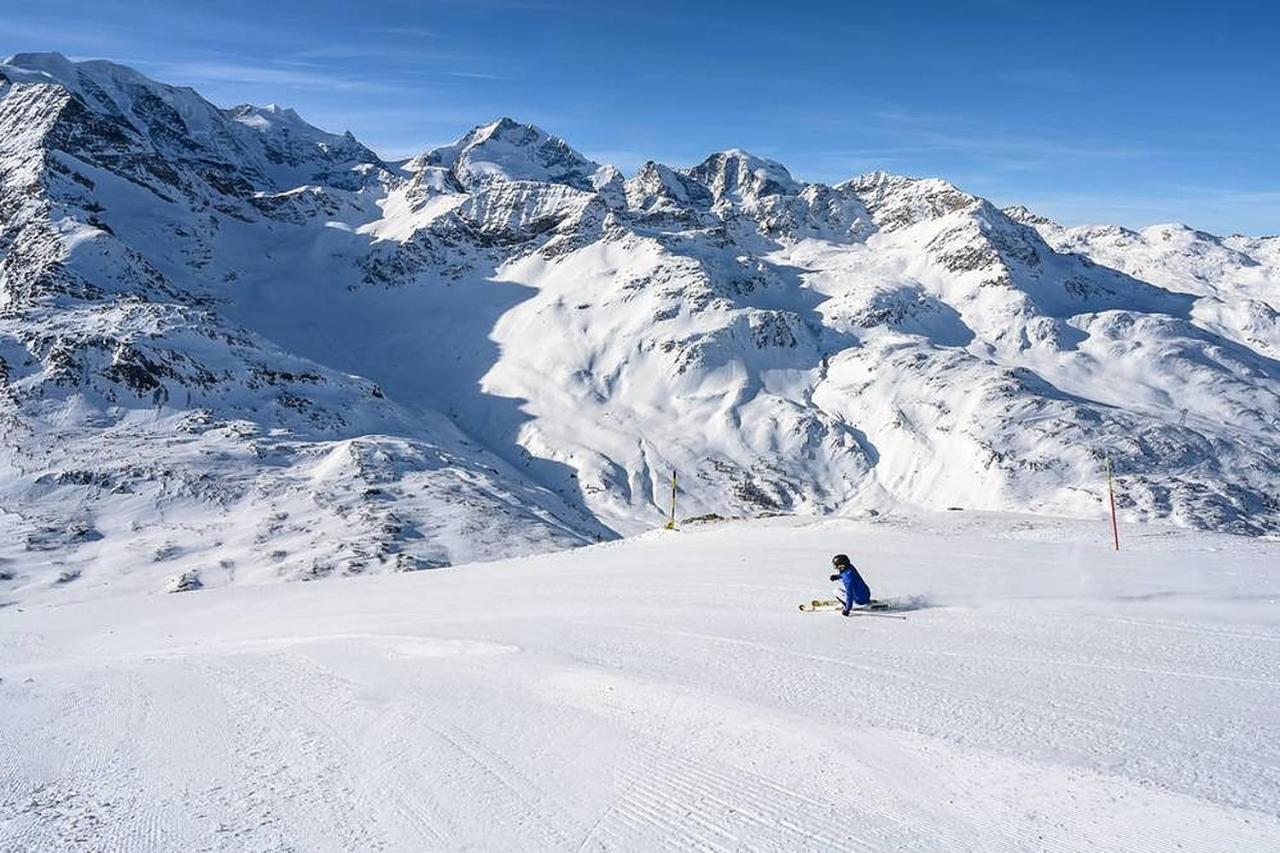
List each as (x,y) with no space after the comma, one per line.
(856,590)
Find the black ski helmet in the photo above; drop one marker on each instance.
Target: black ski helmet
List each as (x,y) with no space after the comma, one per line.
(840,560)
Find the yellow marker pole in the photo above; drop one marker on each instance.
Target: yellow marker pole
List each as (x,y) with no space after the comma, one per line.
(671,522)
(1115,529)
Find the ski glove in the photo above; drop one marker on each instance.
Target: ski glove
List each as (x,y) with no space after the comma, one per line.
(834,578)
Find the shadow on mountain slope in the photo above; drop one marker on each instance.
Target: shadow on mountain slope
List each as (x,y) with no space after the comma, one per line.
(428,341)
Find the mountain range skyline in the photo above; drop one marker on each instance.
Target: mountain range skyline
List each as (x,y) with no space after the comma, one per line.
(288,115)
(344,365)
(1145,117)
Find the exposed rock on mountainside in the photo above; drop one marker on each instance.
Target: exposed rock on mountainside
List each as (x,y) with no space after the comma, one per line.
(236,347)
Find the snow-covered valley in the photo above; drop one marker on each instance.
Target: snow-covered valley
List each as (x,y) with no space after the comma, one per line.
(235,348)
(664,692)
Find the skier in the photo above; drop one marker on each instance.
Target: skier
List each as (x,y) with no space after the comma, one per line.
(855,591)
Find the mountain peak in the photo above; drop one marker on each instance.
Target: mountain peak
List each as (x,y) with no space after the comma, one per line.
(656,184)
(277,110)
(736,173)
(507,150)
(898,200)
(879,179)
(1170,230)
(274,119)
(505,124)
(69,73)
(54,64)
(1024,215)
(51,67)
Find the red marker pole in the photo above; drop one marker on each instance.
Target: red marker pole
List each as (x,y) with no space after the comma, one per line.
(1111,492)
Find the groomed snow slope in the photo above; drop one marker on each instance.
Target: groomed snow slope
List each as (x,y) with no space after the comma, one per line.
(664,692)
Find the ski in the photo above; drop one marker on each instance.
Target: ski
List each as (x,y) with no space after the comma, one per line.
(835,602)
(817,605)
(821,604)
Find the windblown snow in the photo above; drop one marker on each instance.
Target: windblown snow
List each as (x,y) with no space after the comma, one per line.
(235,348)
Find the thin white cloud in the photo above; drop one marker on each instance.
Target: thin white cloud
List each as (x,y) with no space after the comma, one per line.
(412,32)
(196,72)
(931,134)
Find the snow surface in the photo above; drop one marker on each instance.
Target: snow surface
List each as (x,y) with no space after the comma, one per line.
(664,692)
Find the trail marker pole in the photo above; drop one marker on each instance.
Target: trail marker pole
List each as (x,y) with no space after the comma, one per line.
(671,522)
(1111,492)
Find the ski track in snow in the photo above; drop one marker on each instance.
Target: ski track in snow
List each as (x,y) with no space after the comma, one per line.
(664,694)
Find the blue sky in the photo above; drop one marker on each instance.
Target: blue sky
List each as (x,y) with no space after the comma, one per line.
(1128,112)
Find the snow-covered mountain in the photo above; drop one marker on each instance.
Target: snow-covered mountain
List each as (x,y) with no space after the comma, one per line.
(234,346)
